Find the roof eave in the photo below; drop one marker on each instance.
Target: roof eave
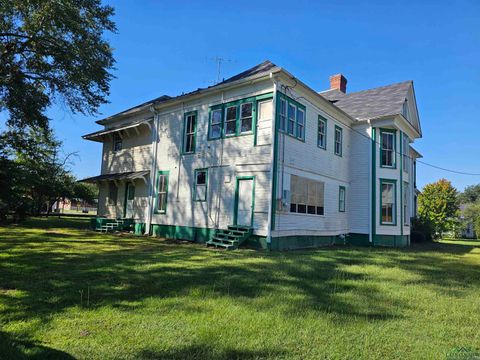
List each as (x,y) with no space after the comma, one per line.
(198,93)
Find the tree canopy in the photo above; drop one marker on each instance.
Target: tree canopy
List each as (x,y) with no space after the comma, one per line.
(53,50)
(437,204)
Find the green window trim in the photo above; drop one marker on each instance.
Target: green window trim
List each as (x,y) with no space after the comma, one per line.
(342,189)
(194,192)
(239,105)
(166,174)
(340,130)
(394,205)
(394,151)
(185,134)
(321,119)
(298,108)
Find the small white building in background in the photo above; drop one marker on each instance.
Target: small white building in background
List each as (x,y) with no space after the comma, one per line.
(263,150)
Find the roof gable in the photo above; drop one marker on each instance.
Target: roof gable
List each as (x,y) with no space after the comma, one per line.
(372,103)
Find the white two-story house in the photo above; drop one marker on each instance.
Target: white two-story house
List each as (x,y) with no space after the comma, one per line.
(265,152)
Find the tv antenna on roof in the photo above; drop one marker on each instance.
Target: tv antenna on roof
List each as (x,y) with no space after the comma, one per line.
(219,61)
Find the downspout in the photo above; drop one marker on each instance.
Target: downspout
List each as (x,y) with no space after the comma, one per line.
(273,167)
(151,185)
(373,206)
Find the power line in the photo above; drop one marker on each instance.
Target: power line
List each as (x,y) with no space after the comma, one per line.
(288,88)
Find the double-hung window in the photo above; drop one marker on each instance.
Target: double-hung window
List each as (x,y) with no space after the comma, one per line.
(338,140)
(215,124)
(162,192)
(246,117)
(189,133)
(387,148)
(406,157)
(322,132)
(341,198)
(201,184)
(291,119)
(283,114)
(387,202)
(117,142)
(300,123)
(231,120)
(406,213)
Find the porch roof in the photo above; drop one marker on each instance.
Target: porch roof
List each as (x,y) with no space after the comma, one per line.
(131,175)
(99,135)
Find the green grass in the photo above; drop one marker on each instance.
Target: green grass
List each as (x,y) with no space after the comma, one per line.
(66,292)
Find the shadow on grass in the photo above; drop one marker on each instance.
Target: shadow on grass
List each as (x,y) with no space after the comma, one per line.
(122,271)
(18,349)
(208,352)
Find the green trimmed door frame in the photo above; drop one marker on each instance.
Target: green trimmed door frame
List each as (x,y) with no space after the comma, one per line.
(237,198)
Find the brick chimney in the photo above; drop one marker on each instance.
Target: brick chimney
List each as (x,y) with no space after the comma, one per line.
(338,82)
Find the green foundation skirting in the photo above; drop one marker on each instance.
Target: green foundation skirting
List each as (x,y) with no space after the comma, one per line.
(202,235)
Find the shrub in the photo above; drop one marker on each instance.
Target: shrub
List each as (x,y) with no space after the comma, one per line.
(421,230)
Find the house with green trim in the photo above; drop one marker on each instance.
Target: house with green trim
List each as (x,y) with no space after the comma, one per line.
(262,157)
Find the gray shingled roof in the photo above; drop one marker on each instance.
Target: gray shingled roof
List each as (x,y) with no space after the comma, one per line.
(265,66)
(372,103)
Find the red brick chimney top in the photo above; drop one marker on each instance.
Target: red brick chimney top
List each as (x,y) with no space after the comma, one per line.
(338,82)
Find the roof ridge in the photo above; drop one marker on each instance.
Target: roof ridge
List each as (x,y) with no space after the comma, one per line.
(379,87)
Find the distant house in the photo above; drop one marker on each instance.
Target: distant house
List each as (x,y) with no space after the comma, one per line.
(263,153)
(468,232)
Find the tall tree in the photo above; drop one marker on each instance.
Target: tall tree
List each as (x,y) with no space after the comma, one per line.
(471,194)
(53,50)
(437,204)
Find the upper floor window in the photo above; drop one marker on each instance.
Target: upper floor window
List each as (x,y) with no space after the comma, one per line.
(215,124)
(292,117)
(387,148)
(338,140)
(341,199)
(200,186)
(406,153)
(231,120)
(322,132)
(300,123)
(246,117)
(162,192)
(387,202)
(189,133)
(307,196)
(117,142)
(283,114)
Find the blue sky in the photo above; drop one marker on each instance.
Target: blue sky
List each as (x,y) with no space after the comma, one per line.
(166,47)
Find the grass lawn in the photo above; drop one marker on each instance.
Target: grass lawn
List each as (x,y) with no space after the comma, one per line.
(66,293)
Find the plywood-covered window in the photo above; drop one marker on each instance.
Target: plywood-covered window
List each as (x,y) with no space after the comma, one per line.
(306,196)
